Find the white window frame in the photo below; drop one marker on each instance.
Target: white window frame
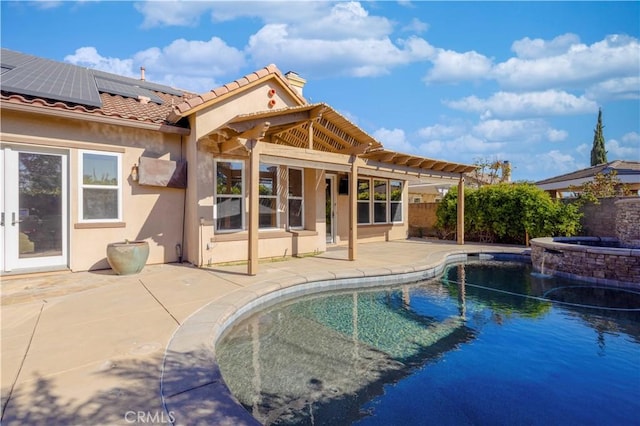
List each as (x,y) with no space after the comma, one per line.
(82,186)
(274,196)
(367,202)
(384,202)
(295,197)
(216,196)
(391,202)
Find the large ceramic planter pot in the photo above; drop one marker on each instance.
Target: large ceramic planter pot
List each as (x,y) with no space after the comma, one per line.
(128,257)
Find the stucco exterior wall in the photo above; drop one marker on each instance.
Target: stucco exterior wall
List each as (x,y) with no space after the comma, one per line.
(149,213)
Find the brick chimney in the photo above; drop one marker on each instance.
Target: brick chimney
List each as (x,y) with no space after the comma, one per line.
(296,81)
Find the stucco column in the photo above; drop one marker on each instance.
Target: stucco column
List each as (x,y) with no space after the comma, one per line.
(254,205)
(460,226)
(353,209)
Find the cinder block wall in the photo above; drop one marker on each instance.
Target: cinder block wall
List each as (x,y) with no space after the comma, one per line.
(599,220)
(422,219)
(628,221)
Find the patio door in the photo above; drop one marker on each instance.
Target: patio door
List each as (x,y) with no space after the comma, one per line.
(330,207)
(34,208)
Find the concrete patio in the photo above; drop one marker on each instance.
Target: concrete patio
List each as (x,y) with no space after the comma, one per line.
(89,348)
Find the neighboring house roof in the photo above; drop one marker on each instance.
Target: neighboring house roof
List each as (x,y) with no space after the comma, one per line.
(38,82)
(627,172)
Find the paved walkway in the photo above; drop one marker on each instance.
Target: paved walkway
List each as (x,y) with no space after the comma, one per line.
(90,348)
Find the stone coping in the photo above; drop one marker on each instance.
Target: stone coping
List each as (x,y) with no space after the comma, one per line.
(192,388)
(554,243)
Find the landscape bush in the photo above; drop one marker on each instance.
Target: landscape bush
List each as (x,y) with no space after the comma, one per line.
(507,213)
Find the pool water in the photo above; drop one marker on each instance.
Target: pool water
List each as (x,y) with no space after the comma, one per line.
(488,343)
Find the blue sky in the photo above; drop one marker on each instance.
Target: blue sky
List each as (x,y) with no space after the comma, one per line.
(458,81)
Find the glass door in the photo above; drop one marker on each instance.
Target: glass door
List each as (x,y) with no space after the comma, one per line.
(330,208)
(34,209)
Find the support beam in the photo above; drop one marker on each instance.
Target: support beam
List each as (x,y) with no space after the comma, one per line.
(254,205)
(353,209)
(460,225)
(356,150)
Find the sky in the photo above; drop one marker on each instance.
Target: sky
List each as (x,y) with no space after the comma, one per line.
(466,82)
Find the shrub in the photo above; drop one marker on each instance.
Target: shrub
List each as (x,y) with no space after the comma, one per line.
(507,213)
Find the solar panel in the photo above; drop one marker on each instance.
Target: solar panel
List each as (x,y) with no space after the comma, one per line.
(126,90)
(12,59)
(52,80)
(34,76)
(140,83)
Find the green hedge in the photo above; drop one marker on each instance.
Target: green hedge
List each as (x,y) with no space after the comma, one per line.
(506,213)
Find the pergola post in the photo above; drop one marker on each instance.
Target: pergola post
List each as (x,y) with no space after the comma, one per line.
(254,205)
(353,209)
(460,225)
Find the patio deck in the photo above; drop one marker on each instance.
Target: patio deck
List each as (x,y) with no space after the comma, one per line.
(89,347)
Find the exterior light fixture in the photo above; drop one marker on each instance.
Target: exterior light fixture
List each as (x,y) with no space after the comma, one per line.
(134,173)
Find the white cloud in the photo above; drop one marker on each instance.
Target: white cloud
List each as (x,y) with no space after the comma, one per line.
(459,148)
(631,137)
(574,64)
(439,131)
(524,131)
(189,65)
(616,88)
(171,13)
(555,135)
(530,104)
(450,66)
(90,58)
(583,149)
(193,57)
(394,140)
(416,26)
(628,148)
(548,164)
(353,57)
(619,151)
(527,48)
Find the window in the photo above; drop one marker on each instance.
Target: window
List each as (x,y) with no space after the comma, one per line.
(100,187)
(229,207)
(395,200)
(268,193)
(294,197)
(364,197)
(379,201)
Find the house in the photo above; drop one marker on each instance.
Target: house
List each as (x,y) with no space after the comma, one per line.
(245,171)
(627,172)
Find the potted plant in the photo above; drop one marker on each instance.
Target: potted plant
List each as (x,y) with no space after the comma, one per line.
(127,257)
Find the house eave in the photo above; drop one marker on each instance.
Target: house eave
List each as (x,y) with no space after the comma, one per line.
(84,116)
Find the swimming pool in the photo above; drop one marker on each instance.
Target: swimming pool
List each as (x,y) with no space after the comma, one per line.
(481,345)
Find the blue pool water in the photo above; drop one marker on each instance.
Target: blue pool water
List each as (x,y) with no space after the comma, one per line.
(489,343)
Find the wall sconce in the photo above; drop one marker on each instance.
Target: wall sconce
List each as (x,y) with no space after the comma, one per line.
(134,173)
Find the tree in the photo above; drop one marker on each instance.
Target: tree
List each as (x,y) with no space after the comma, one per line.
(598,153)
(603,185)
(491,171)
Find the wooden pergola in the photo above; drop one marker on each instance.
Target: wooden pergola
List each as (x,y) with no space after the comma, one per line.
(316,136)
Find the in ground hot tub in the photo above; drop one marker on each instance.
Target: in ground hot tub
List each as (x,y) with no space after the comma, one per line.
(599,260)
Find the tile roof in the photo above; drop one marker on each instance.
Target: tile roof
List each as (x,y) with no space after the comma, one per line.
(620,166)
(183,108)
(42,83)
